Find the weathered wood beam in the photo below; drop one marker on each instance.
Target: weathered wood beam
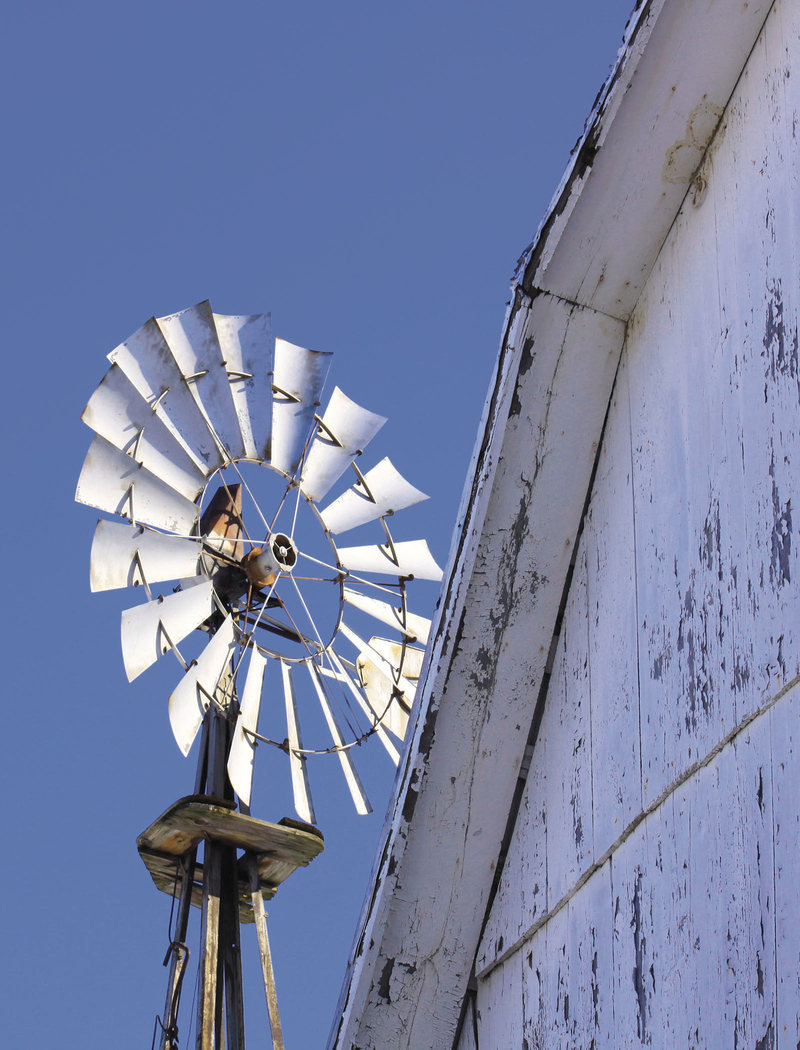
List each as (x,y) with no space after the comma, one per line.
(209,948)
(491,659)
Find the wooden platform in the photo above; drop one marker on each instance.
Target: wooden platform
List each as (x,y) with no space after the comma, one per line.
(279,848)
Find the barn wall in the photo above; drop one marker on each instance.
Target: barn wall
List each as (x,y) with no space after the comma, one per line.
(649,894)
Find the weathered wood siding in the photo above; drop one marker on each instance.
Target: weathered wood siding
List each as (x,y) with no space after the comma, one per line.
(650,890)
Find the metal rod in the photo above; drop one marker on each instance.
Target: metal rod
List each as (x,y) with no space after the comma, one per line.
(266,958)
(217,753)
(209,1006)
(202,759)
(231,952)
(178,952)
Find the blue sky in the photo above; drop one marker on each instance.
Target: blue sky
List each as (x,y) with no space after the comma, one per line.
(370,174)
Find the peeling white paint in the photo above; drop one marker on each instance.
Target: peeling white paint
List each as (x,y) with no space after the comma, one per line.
(676,924)
(609,746)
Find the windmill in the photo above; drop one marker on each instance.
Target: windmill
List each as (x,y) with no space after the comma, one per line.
(210,445)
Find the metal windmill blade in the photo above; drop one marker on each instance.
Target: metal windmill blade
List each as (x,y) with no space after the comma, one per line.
(147,362)
(248,350)
(381,491)
(130,555)
(297,388)
(194,344)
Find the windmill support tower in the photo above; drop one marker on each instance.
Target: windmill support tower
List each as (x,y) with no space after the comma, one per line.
(228,891)
(191,404)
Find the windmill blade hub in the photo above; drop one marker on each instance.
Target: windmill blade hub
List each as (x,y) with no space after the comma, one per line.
(260,567)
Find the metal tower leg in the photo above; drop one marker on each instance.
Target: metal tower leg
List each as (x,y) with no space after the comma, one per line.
(209,1007)
(178,953)
(230,953)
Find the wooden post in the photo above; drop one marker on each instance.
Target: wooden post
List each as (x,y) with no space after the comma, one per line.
(209,948)
(263,947)
(219,996)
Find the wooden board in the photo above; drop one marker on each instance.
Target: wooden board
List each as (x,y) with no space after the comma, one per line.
(785,726)
(621,194)
(279,848)
(164,867)
(500,1013)
(610,545)
(567,726)
(584,785)
(686,936)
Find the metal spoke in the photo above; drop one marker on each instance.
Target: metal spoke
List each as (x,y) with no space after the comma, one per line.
(296,508)
(308,614)
(255,624)
(298,632)
(326,656)
(298,473)
(352,576)
(324,564)
(280,507)
(346,710)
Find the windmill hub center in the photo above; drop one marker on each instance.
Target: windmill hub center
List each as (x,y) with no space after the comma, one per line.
(263,565)
(285,551)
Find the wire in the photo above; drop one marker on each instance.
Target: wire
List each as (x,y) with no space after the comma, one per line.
(170,930)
